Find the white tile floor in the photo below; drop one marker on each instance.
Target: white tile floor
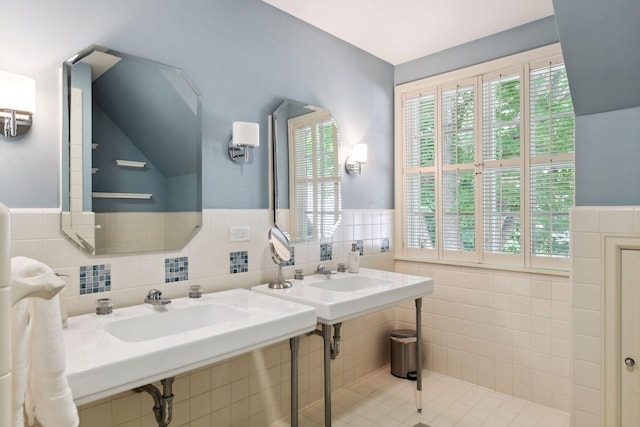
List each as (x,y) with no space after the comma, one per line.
(379,399)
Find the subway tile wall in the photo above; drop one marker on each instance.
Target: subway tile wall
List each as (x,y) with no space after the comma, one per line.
(251,389)
(506,331)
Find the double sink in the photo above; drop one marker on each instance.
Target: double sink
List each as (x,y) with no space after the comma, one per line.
(137,345)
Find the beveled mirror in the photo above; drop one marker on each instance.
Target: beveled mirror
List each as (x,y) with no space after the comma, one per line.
(131,153)
(307,192)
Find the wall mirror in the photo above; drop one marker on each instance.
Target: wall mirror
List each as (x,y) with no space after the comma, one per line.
(131,154)
(307,195)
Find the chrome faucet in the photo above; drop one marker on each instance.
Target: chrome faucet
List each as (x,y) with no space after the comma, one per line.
(322,269)
(154,297)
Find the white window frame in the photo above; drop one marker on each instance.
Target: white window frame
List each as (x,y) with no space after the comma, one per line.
(434,85)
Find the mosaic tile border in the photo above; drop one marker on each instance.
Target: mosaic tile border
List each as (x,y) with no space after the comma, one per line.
(238,262)
(384,245)
(292,260)
(95,278)
(176,269)
(326,251)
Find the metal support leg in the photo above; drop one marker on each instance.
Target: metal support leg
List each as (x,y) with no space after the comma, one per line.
(294,346)
(419,353)
(326,336)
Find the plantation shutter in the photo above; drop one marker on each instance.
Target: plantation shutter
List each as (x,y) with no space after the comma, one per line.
(316,175)
(458,169)
(502,164)
(303,182)
(328,177)
(552,165)
(420,181)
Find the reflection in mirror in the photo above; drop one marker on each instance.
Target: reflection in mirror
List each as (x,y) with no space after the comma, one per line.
(306,170)
(280,252)
(131,158)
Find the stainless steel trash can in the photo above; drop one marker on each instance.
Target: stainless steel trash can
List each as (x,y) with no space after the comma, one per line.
(403,353)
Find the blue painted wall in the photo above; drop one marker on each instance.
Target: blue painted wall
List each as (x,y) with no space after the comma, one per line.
(244,56)
(526,37)
(601,47)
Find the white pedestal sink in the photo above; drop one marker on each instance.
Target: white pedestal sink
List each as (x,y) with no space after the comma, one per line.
(342,296)
(137,345)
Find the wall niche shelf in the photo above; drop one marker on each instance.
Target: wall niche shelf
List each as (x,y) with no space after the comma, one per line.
(130,163)
(100,195)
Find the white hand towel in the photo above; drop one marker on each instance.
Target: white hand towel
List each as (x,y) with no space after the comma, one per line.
(46,392)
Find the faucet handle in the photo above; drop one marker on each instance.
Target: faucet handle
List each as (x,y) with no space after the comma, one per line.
(321,268)
(154,294)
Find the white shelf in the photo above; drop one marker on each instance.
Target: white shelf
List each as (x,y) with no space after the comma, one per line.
(121,195)
(130,163)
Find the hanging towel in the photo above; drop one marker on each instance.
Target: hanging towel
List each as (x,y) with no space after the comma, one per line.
(19,322)
(40,382)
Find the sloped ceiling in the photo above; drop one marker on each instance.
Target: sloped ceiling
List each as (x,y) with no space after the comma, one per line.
(156,108)
(601,48)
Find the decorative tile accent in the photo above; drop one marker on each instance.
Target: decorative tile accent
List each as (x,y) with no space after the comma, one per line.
(176,269)
(238,262)
(326,251)
(360,246)
(292,261)
(384,244)
(95,278)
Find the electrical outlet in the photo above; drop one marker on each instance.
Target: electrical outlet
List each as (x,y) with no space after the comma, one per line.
(239,234)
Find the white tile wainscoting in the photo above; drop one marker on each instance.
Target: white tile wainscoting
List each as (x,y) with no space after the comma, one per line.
(505,331)
(593,228)
(251,389)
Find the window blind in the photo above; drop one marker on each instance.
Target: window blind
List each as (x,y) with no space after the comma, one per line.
(420,181)
(552,166)
(458,179)
(501,164)
(421,211)
(317,177)
(420,125)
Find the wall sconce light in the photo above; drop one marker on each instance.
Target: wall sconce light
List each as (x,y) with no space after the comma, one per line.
(358,157)
(245,135)
(17,103)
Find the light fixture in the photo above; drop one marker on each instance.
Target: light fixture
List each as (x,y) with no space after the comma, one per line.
(17,103)
(245,135)
(358,157)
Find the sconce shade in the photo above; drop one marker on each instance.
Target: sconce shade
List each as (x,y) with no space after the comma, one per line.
(17,103)
(17,93)
(358,157)
(359,153)
(246,134)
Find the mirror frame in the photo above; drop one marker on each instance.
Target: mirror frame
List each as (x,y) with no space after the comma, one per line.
(86,227)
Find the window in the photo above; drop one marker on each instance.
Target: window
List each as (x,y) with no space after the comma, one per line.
(316,178)
(486,163)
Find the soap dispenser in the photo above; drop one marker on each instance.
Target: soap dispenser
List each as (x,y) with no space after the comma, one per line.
(353,262)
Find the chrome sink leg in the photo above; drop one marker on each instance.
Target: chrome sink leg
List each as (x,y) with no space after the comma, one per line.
(419,353)
(294,346)
(326,336)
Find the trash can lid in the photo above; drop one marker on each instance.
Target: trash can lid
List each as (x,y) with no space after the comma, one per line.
(403,333)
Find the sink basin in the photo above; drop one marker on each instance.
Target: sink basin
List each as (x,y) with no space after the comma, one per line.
(349,283)
(343,296)
(138,345)
(142,328)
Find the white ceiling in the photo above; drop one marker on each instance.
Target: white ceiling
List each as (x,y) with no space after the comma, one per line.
(398,31)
